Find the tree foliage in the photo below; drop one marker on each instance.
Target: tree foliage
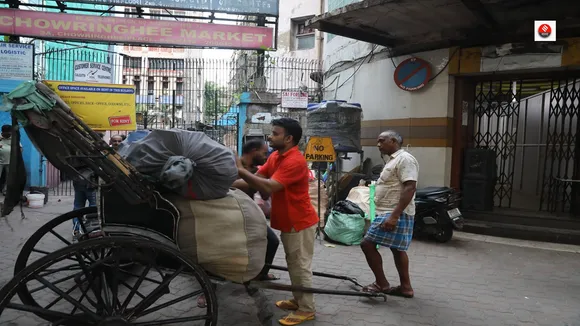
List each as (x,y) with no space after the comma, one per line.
(216,101)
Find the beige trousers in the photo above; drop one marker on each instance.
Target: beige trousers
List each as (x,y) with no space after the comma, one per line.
(299,249)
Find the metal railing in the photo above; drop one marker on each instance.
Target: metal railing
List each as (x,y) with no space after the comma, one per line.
(180,88)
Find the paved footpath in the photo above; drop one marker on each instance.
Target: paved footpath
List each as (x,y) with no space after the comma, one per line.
(463,282)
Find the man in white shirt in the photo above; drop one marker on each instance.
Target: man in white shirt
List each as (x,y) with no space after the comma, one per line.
(395,209)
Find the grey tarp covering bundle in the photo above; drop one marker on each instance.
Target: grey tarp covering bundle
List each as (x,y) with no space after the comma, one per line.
(226,236)
(336,119)
(187,162)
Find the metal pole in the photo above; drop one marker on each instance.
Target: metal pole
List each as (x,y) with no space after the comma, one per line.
(173,110)
(215,108)
(319,230)
(261,53)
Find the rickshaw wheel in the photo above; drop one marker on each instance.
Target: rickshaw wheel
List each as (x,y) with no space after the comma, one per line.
(30,245)
(105,299)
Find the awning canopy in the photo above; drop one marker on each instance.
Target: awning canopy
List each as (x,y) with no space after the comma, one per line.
(410,26)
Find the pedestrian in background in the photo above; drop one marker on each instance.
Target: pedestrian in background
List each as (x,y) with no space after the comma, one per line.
(85,191)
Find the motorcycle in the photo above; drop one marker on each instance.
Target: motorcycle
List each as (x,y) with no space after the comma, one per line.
(437,213)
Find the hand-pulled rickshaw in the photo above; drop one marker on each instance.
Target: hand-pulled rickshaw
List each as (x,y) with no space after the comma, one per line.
(126,267)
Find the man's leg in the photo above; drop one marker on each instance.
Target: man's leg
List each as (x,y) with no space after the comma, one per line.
(402,264)
(79,202)
(299,249)
(91,195)
(271,249)
(375,261)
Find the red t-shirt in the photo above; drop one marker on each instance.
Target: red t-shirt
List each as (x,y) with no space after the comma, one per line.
(291,207)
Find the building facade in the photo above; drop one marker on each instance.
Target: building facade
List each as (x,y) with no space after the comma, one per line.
(497,117)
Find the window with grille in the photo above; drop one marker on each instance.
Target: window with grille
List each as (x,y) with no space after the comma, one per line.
(150,87)
(155,12)
(166,64)
(304,36)
(129,11)
(131,62)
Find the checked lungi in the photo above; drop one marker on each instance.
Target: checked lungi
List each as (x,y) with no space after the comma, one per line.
(400,238)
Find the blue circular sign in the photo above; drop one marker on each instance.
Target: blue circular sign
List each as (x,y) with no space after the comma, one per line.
(412,74)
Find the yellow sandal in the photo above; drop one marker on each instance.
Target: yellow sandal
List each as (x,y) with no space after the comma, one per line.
(287,305)
(294,319)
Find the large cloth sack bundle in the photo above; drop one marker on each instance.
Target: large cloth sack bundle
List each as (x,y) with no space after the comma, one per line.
(226,236)
(187,162)
(346,223)
(344,228)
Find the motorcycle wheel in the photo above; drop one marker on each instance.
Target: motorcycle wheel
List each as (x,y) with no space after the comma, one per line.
(445,234)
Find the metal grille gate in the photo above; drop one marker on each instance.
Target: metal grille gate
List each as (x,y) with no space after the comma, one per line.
(179,88)
(532,125)
(496,112)
(561,173)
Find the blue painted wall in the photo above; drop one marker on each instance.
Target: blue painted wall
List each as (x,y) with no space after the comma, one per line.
(243,109)
(31,157)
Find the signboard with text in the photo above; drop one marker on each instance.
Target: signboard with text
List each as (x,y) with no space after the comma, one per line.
(93,72)
(71,27)
(320,149)
(100,106)
(264,7)
(16,64)
(294,100)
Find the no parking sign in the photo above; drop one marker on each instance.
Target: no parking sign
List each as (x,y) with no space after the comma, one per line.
(412,74)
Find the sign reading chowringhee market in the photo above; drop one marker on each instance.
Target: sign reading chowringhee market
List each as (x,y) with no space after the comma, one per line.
(47,25)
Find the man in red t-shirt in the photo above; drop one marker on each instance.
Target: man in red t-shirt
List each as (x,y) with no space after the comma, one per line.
(285,178)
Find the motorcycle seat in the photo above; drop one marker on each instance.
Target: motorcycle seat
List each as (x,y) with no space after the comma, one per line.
(432,191)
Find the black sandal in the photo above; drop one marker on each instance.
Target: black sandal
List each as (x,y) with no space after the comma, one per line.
(397,291)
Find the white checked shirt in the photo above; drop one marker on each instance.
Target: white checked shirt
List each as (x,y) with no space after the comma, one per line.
(400,167)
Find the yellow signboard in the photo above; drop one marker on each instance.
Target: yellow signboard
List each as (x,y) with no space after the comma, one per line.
(320,149)
(100,106)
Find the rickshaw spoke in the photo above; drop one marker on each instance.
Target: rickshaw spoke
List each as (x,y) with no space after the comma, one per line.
(64,279)
(114,284)
(40,251)
(46,253)
(128,286)
(173,321)
(83,295)
(108,304)
(91,282)
(60,237)
(60,269)
(55,301)
(68,298)
(169,303)
(157,293)
(134,289)
(78,319)
(135,275)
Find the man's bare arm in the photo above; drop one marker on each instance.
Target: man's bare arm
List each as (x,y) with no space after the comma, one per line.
(264,186)
(264,195)
(409,188)
(241,184)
